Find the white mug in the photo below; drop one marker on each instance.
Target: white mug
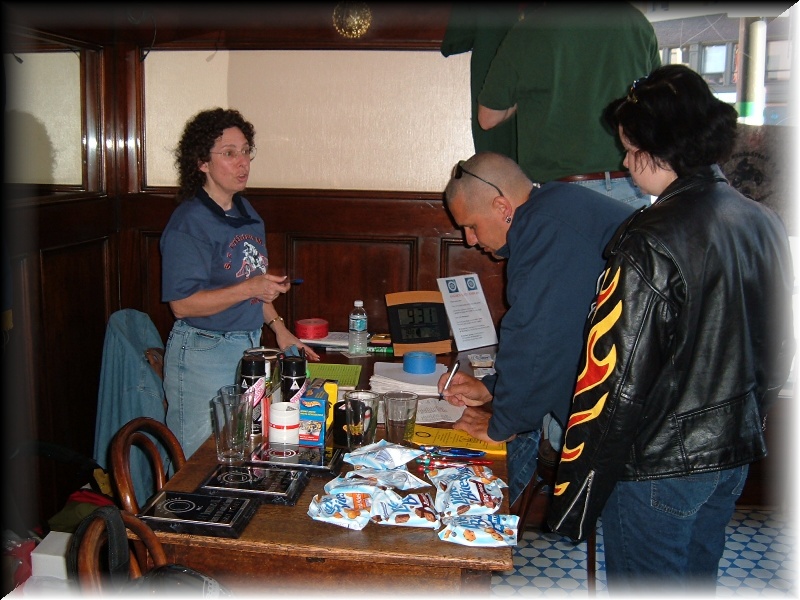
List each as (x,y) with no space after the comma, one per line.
(284,423)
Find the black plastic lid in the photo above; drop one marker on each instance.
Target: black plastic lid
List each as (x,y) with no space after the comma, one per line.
(254,365)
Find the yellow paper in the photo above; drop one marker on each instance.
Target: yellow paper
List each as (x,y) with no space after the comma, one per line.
(455,438)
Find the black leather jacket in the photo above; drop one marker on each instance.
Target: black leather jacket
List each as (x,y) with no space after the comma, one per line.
(690,339)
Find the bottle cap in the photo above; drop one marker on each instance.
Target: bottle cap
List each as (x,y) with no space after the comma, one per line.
(358,303)
(293,366)
(254,365)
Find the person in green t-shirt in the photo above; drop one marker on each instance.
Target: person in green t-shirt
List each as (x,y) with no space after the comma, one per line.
(480,29)
(556,70)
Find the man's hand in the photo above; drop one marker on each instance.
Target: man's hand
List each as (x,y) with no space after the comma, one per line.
(475,421)
(464,390)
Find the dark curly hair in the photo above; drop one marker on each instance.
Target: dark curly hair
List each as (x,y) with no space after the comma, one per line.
(199,135)
(672,115)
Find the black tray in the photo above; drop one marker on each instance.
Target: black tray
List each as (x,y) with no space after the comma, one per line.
(269,485)
(200,514)
(317,460)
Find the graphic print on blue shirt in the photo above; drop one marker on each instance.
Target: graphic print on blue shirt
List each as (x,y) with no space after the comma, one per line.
(202,251)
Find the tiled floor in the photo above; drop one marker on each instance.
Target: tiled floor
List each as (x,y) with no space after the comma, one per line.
(758,561)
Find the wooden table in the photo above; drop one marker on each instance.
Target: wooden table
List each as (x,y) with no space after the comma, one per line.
(283,550)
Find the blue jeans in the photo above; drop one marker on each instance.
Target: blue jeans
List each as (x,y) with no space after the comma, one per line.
(621,188)
(197,363)
(521,459)
(523,452)
(667,536)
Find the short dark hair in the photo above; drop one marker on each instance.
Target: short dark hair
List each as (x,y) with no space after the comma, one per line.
(199,135)
(673,115)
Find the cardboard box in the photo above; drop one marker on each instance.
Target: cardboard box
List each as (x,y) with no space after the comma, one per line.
(49,558)
(313,413)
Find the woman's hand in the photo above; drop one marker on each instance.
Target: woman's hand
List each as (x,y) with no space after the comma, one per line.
(286,338)
(268,287)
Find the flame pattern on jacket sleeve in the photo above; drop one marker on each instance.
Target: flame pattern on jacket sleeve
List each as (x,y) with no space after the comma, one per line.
(595,371)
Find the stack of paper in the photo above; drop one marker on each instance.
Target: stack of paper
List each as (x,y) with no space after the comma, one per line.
(334,339)
(390,377)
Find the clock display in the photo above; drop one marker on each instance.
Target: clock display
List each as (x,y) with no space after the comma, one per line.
(420,322)
(417,315)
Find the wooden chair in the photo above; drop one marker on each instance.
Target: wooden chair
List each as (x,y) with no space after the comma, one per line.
(98,572)
(135,432)
(543,481)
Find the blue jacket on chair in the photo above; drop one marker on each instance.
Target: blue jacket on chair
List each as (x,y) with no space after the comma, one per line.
(129,388)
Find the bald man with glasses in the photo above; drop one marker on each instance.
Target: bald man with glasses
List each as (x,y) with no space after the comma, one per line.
(552,237)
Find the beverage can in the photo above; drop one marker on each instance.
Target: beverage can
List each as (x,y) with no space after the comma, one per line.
(252,368)
(293,378)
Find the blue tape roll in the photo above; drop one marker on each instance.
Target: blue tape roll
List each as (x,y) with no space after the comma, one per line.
(419,363)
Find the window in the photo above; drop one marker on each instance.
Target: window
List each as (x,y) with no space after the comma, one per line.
(677,56)
(713,63)
(778,60)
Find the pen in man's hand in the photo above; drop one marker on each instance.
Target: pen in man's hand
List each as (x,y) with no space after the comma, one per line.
(450,378)
(296,281)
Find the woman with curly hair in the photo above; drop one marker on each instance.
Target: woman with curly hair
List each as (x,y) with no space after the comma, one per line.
(214,272)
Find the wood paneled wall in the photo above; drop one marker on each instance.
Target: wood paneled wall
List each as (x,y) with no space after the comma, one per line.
(345,245)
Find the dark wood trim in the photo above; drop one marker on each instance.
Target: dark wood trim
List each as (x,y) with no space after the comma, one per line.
(248,26)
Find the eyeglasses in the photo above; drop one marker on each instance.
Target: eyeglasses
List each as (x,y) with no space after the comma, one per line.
(631,93)
(231,154)
(460,170)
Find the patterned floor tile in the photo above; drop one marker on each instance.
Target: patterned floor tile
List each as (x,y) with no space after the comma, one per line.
(758,562)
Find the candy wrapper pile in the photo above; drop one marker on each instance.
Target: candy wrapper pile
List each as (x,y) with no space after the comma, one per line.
(462,509)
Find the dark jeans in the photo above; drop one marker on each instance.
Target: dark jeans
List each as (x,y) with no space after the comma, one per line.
(668,535)
(522,453)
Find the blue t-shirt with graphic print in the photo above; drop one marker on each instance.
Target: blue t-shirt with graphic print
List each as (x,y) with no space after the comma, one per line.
(203,248)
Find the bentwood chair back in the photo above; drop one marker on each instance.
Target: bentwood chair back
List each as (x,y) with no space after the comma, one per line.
(543,482)
(141,432)
(103,560)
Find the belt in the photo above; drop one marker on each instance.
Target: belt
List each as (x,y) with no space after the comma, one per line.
(593,176)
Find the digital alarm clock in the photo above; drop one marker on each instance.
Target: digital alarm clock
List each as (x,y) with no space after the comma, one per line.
(418,322)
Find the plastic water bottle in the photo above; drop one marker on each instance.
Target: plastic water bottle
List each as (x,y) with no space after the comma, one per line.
(358,336)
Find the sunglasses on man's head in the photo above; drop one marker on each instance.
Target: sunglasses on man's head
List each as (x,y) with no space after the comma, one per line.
(459,173)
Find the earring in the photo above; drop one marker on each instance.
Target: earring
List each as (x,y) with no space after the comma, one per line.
(508,219)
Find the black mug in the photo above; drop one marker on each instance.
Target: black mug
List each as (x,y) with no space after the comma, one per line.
(339,426)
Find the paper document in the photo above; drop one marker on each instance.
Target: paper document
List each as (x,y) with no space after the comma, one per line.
(467,311)
(433,410)
(437,436)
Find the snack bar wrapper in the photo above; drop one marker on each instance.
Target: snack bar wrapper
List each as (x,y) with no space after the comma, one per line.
(400,478)
(480,530)
(467,491)
(415,510)
(477,472)
(350,510)
(344,485)
(382,455)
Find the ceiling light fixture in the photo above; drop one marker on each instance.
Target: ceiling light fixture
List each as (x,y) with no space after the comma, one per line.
(352,19)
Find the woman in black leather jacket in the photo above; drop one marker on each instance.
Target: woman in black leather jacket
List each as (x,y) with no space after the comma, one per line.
(689,341)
